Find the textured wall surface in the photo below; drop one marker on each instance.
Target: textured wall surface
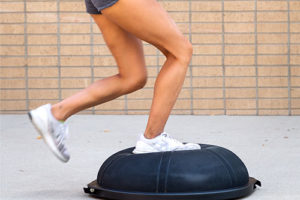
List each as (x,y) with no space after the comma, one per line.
(246,57)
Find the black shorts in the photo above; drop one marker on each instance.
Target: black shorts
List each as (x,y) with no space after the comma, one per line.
(95,6)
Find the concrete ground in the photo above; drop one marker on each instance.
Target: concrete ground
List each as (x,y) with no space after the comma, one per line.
(269,146)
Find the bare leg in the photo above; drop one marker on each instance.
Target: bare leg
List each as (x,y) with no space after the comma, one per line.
(151,23)
(128,53)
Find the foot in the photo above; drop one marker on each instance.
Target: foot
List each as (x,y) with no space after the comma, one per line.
(52,131)
(163,142)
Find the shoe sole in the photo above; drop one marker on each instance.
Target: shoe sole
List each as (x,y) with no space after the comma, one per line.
(47,139)
(140,152)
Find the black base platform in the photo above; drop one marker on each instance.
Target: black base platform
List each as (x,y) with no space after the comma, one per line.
(94,189)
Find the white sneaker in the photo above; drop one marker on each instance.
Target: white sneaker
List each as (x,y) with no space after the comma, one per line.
(163,142)
(52,131)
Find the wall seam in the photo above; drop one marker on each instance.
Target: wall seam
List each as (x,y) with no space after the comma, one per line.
(191,65)
(126,104)
(289,59)
(92,64)
(223,58)
(58,50)
(26,55)
(255,60)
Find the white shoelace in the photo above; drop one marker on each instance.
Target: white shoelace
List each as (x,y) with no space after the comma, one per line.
(167,137)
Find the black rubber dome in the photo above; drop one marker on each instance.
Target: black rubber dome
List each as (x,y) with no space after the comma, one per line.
(210,173)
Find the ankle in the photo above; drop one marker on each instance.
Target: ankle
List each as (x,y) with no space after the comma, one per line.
(57,114)
(149,137)
(150,134)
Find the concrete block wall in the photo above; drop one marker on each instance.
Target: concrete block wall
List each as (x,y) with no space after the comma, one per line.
(246,57)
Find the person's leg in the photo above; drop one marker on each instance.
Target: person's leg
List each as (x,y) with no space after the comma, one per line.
(147,20)
(128,53)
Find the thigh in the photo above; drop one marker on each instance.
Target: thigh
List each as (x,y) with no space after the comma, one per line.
(126,48)
(147,20)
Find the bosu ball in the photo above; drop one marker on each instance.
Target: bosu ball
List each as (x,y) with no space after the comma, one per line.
(211,173)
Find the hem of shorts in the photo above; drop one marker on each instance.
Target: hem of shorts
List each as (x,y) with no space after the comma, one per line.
(107,5)
(93,13)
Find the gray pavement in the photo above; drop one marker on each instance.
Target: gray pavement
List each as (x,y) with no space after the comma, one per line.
(269,146)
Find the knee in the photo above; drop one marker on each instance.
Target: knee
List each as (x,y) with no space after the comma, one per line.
(187,52)
(139,82)
(184,54)
(134,83)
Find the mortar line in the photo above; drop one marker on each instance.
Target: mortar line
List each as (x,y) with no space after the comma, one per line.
(92,55)
(255,59)
(206,77)
(157,71)
(126,97)
(187,98)
(208,44)
(196,22)
(107,55)
(223,57)
(150,88)
(289,60)
(58,50)
(146,110)
(191,66)
(26,55)
(203,11)
(200,33)
(126,104)
(157,61)
(159,0)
